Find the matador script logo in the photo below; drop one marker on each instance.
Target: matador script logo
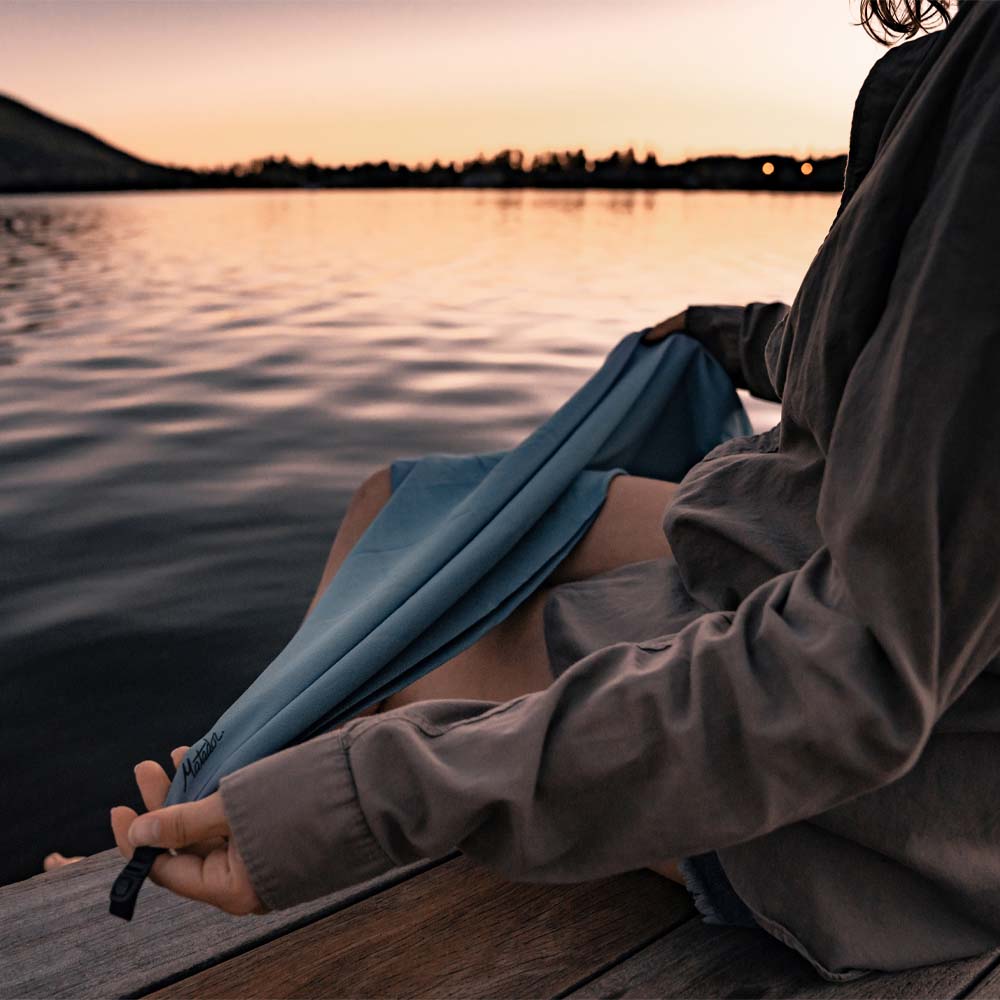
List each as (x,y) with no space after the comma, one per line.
(192,765)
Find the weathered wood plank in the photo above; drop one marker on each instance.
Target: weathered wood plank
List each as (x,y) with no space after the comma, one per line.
(988,986)
(699,960)
(57,938)
(456,931)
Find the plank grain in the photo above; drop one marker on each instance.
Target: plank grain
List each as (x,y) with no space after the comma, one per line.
(57,938)
(701,960)
(455,931)
(987,987)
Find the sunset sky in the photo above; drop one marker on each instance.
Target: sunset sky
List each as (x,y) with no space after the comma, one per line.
(207,82)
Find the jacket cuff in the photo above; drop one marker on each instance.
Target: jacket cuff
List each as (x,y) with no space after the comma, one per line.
(298,825)
(737,337)
(760,320)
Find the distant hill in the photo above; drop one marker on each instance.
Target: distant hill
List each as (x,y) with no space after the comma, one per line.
(38,153)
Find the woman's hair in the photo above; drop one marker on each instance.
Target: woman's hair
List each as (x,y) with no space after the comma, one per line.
(902,17)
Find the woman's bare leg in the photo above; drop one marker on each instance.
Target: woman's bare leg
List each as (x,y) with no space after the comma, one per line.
(511,659)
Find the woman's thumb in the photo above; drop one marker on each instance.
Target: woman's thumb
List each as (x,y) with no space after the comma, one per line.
(180,825)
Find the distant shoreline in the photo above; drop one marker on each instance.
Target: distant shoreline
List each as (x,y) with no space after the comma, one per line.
(558,172)
(42,155)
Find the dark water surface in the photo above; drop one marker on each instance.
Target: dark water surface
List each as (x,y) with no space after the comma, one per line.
(192,384)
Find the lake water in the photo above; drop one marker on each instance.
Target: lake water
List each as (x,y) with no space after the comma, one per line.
(192,384)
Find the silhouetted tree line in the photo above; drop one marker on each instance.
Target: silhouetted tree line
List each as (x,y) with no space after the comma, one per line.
(510,169)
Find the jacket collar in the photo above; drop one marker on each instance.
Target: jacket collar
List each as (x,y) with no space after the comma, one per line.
(884,95)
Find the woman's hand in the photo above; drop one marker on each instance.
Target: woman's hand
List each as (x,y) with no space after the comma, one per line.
(55,861)
(674,324)
(720,340)
(205,864)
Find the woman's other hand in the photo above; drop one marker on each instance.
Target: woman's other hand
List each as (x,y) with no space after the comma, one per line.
(55,861)
(205,864)
(673,324)
(717,329)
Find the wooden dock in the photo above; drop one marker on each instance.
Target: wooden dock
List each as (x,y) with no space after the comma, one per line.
(439,928)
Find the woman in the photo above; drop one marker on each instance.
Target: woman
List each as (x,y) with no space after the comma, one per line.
(778,680)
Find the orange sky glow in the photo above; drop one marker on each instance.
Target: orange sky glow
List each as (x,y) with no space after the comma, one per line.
(207,83)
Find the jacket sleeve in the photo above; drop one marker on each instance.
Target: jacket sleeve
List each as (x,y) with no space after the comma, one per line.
(736,335)
(823,684)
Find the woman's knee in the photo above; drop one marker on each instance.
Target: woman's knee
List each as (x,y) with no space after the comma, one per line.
(369,498)
(372,495)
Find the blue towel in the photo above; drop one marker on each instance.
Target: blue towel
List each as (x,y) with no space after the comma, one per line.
(463,540)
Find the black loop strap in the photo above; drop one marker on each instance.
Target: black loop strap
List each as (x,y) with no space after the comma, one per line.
(125,891)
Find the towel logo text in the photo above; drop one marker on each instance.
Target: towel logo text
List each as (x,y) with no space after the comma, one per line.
(192,766)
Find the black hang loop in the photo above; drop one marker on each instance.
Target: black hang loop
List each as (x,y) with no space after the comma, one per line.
(125,891)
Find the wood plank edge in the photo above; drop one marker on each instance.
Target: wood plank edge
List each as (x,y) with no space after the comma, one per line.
(625,955)
(973,984)
(342,903)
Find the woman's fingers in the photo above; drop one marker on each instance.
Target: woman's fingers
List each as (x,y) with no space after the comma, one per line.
(177,755)
(180,825)
(220,879)
(55,860)
(673,324)
(153,783)
(121,820)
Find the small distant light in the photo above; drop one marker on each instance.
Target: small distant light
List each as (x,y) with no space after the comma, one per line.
(806,168)
(767,168)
